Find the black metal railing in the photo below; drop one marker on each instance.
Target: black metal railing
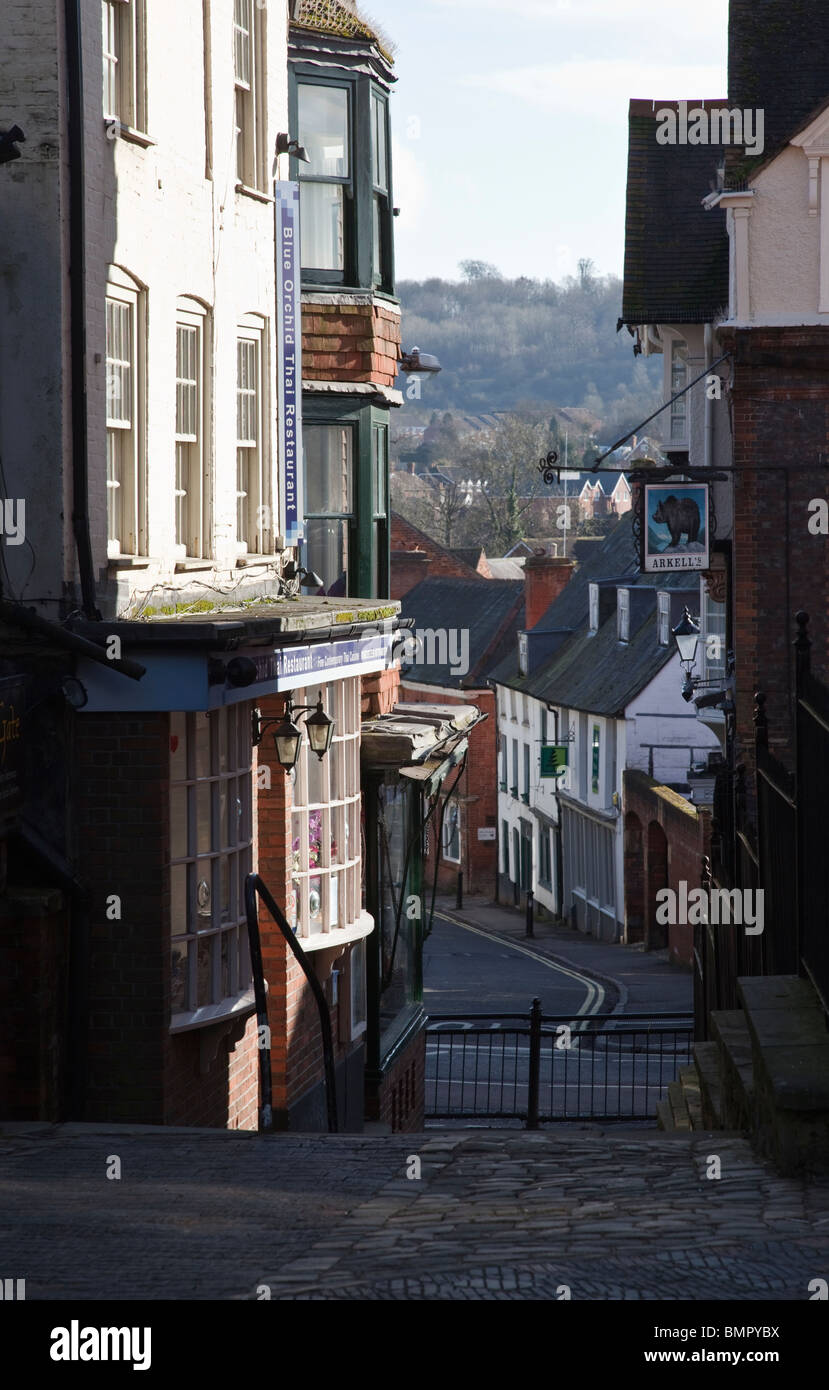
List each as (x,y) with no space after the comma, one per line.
(253,886)
(541,1068)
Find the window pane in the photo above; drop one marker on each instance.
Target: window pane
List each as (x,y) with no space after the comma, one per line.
(328,469)
(322,225)
(380,163)
(178,965)
(379,456)
(242,41)
(327,553)
(323,129)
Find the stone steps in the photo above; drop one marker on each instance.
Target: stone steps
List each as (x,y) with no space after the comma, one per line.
(764,1072)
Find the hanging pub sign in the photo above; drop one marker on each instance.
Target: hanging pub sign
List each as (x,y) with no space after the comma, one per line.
(289,358)
(553,760)
(675,530)
(11,751)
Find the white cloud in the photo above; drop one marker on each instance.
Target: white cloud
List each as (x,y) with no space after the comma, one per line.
(599,88)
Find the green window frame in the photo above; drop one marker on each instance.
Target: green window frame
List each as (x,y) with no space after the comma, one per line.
(364,523)
(365,181)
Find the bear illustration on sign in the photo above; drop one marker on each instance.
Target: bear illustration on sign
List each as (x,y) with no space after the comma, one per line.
(679,515)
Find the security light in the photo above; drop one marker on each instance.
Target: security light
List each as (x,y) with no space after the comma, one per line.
(285,145)
(418,362)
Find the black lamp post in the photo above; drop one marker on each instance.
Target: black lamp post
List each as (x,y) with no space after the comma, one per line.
(287,736)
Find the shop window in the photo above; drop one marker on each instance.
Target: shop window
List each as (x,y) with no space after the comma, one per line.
(399,933)
(210,856)
(325,821)
(452,833)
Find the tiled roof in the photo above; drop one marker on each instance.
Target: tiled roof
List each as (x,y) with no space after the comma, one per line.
(490,610)
(676,252)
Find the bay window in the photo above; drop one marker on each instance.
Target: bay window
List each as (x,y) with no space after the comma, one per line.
(211,846)
(325,821)
(346,498)
(346,226)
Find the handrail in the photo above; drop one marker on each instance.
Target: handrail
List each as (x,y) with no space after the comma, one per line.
(254,885)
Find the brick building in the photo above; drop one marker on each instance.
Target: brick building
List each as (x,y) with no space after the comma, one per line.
(726,275)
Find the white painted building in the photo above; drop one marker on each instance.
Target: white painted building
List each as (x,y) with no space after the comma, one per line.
(182,104)
(599,675)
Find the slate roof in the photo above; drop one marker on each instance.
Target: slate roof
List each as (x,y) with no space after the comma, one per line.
(470,554)
(598,673)
(676,252)
(778,61)
(491,609)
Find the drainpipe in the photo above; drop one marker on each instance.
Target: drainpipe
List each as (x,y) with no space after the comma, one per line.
(77,284)
(559,863)
(709,404)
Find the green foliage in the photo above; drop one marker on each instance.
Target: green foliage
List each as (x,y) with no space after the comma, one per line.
(501,342)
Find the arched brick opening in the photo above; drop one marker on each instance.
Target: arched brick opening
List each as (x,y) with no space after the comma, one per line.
(634,879)
(656,933)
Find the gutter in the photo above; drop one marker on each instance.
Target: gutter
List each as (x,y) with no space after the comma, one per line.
(77,287)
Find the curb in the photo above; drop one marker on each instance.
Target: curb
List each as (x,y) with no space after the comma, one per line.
(609,982)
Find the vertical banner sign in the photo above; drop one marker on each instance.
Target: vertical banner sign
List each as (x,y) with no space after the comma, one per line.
(289,358)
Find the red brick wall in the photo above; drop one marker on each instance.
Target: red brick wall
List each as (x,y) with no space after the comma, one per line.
(687,830)
(780,398)
(350,342)
(544,578)
(478,794)
(399,1101)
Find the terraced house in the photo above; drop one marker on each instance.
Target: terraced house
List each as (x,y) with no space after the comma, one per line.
(192,697)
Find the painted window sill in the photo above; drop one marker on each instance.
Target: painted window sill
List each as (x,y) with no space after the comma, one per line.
(338,936)
(183,566)
(256,194)
(214,1013)
(128,133)
(129,562)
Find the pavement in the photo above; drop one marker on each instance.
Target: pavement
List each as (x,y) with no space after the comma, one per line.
(574,1213)
(635,980)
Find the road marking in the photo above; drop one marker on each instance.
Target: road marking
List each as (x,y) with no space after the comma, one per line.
(595,991)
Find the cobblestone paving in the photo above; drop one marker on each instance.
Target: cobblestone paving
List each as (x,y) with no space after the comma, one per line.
(494,1215)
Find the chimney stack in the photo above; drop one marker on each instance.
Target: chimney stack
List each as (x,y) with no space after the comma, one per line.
(408,567)
(544,578)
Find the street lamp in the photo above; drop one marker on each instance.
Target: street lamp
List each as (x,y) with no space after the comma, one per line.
(686,633)
(287,737)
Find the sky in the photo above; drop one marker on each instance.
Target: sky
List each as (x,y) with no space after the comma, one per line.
(510,123)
